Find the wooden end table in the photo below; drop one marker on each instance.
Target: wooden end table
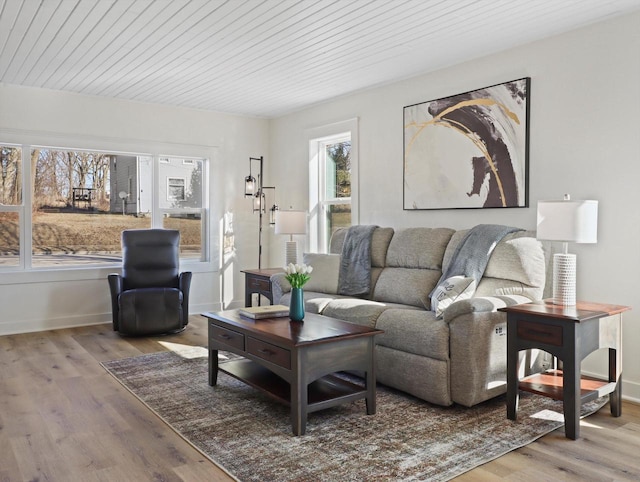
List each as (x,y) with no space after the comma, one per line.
(258,281)
(569,333)
(294,361)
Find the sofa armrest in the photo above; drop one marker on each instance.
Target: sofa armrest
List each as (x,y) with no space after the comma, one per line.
(478,347)
(279,286)
(482,304)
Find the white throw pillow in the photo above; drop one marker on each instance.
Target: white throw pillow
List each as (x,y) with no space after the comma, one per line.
(451,290)
(326,269)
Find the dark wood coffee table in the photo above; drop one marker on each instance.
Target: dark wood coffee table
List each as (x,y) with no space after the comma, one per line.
(295,362)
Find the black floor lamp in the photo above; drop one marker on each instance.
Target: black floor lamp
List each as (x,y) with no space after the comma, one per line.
(254,188)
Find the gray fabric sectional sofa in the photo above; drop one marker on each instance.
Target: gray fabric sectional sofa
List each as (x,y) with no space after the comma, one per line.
(458,357)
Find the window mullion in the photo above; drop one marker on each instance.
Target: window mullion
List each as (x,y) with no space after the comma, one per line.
(205,210)
(322,177)
(156,213)
(26,226)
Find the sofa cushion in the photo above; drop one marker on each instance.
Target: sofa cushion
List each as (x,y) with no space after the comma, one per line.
(414,331)
(451,290)
(375,274)
(379,244)
(418,248)
(518,257)
(355,310)
(451,247)
(314,302)
(406,286)
(414,260)
(326,268)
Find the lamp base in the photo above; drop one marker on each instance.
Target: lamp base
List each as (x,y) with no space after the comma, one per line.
(291,253)
(564,279)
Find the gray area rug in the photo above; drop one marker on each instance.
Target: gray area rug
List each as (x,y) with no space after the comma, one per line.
(249,435)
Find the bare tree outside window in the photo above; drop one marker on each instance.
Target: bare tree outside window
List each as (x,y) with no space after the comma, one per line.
(339,169)
(11,180)
(10,199)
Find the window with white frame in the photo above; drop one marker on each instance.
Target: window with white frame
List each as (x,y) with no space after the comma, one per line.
(332,172)
(81,200)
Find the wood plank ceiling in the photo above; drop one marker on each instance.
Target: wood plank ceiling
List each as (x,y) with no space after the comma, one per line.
(263,57)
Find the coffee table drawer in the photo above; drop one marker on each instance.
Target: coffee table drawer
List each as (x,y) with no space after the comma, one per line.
(266,351)
(228,337)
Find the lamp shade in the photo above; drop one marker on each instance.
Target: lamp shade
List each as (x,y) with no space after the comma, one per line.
(568,221)
(291,222)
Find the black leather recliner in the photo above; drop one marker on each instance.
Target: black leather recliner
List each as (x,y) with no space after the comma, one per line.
(151,297)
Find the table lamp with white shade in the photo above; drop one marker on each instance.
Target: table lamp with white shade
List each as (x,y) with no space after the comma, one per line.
(291,222)
(570,222)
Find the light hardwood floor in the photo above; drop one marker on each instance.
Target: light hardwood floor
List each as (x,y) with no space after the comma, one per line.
(63,418)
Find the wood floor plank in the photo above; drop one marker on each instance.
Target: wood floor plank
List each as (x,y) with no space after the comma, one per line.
(37,459)
(200,471)
(105,346)
(63,417)
(19,408)
(9,468)
(598,454)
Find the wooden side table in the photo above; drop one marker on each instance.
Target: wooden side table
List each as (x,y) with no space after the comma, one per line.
(258,281)
(569,333)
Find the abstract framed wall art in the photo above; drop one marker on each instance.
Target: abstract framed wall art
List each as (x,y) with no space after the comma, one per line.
(468,150)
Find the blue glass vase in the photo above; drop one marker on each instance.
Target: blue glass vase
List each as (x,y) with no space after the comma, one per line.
(296,305)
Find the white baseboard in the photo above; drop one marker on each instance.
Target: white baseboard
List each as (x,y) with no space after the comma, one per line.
(74,321)
(630,391)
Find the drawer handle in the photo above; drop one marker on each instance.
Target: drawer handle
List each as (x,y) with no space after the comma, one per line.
(266,351)
(224,336)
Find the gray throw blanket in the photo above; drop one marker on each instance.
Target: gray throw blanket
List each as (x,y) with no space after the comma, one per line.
(354,278)
(472,255)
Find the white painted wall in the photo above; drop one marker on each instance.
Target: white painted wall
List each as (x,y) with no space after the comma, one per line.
(44,300)
(585,140)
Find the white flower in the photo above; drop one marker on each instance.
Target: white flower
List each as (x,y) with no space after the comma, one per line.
(297,274)
(298,269)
